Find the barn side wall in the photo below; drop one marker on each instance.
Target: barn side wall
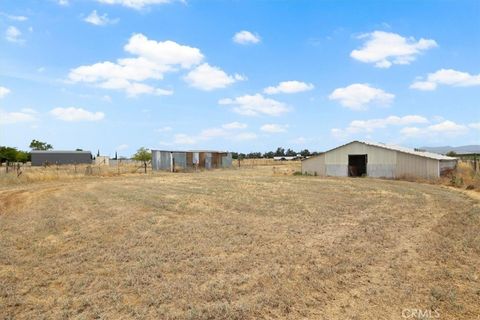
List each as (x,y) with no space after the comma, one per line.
(381,162)
(409,165)
(314,165)
(160,160)
(41,158)
(227,160)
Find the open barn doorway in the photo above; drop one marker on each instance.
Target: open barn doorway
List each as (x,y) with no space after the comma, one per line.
(357,165)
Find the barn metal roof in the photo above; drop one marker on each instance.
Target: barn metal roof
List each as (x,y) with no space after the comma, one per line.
(425,154)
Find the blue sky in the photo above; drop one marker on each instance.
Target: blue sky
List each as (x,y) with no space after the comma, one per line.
(238,75)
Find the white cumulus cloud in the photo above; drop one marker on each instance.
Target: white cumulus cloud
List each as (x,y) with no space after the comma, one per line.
(229,131)
(447,77)
(76,114)
(475,125)
(274,128)
(246,37)
(99,20)
(252,105)
(445,128)
(13,34)
(122,147)
(289,87)
(206,77)
(370,125)
(14,17)
(3,92)
(24,115)
(164,129)
(358,96)
(135,4)
(385,48)
(234,125)
(153,59)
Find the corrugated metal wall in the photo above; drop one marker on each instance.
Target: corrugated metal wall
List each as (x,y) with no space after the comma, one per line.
(41,158)
(380,163)
(180,160)
(314,165)
(227,160)
(161,160)
(415,166)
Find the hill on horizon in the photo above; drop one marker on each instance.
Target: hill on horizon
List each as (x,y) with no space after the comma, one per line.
(473,148)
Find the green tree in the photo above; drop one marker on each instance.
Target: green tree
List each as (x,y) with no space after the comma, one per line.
(305,153)
(280,152)
(23,156)
(39,145)
(8,154)
(254,155)
(451,154)
(290,153)
(269,154)
(143,154)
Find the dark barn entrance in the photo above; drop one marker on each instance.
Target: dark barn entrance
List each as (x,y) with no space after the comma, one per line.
(357,165)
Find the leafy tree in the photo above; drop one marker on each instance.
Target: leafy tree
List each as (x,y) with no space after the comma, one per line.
(8,154)
(269,154)
(305,153)
(280,152)
(254,155)
(39,145)
(290,153)
(78,149)
(23,156)
(143,154)
(451,154)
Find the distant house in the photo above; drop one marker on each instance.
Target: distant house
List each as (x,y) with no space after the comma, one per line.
(41,157)
(359,158)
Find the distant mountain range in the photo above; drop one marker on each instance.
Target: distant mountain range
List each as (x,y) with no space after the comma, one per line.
(474,148)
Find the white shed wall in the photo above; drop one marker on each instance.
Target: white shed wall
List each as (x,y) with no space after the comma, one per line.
(409,165)
(380,163)
(314,165)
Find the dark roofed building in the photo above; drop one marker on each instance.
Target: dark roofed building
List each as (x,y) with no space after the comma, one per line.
(41,157)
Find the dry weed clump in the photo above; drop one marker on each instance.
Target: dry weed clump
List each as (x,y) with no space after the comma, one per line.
(464,176)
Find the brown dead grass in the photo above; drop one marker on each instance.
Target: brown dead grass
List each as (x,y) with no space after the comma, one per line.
(236,244)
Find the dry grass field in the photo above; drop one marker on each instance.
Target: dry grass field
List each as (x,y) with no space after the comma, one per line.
(237,244)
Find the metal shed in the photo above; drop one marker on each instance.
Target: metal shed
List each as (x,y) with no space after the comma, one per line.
(41,157)
(185,160)
(359,158)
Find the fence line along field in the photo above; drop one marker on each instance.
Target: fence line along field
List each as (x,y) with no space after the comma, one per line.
(236,244)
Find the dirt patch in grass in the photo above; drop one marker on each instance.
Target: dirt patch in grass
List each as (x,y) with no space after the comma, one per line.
(237,244)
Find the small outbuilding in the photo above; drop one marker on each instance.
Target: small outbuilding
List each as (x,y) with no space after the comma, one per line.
(48,157)
(185,160)
(359,158)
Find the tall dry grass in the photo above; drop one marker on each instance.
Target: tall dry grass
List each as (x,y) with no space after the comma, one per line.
(27,174)
(464,176)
